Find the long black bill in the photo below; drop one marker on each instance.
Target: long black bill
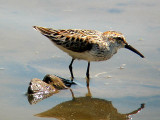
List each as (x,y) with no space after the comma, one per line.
(134,50)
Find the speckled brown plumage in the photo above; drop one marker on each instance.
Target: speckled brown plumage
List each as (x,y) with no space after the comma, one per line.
(89,45)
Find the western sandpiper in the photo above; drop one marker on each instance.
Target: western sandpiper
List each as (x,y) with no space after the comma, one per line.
(89,45)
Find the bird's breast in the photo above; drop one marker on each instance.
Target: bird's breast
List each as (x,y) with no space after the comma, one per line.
(96,53)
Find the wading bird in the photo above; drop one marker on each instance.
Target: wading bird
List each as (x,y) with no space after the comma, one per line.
(89,45)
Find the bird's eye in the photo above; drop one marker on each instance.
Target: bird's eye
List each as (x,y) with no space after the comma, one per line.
(119,38)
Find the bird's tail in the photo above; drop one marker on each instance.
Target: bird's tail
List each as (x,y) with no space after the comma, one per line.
(45,31)
(53,34)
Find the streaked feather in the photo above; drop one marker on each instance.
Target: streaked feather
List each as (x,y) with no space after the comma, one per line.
(72,39)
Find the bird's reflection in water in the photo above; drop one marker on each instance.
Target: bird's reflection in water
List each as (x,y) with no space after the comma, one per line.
(87,108)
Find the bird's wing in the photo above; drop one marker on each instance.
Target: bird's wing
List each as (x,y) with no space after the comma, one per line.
(72,39)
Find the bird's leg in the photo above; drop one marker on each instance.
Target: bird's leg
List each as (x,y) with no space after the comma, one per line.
(89,94)
(73,97)
(70,68)
(87,74)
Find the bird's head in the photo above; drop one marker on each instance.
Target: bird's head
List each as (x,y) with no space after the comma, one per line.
(118,40)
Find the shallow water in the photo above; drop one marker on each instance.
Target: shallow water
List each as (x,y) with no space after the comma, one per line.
(25,54)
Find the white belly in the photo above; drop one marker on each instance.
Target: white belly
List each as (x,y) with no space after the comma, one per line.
(87,55)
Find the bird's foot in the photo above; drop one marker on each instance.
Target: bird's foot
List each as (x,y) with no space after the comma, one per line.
(72,79)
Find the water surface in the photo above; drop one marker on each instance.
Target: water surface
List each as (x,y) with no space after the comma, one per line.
(25,54)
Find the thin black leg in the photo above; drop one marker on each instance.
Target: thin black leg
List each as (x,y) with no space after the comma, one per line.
(87,74)
(70,68)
